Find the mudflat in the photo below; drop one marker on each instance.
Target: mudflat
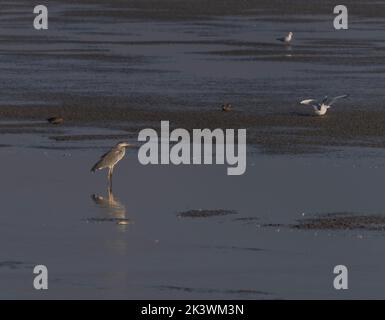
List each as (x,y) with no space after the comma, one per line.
(311,197)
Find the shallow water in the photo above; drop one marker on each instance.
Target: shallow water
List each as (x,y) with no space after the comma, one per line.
(50,216)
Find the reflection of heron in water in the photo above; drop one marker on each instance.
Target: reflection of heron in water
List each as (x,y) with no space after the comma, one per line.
(113,206)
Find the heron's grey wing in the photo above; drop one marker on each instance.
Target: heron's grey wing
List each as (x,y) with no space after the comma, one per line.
(108,159)
(333,100)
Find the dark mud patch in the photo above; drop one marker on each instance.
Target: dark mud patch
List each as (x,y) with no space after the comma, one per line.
(109,220)
(61,148)
(236,292)
(343,221)
(22,130)
(235,248)
(13,265)
(247,220)
(205,213)
(338,222)
(88,137)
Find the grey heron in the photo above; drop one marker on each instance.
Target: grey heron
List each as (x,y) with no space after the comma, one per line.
(321,107)
(110,159)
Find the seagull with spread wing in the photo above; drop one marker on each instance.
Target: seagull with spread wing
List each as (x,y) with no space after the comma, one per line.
(321,107)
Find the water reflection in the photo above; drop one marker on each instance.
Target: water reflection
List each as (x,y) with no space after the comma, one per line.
(289,50)
(115,210)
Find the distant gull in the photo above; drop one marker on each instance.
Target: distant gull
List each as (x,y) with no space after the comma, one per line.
(287,39)
(321,107)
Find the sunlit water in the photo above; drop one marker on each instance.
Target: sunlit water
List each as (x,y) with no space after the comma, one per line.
(57,213)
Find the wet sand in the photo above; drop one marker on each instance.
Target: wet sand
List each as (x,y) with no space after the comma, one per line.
(293,132)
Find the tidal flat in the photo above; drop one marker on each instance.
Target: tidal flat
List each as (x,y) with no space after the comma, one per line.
(310,199)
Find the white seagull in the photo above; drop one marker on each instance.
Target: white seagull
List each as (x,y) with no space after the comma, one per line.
(287,39)
(321,107)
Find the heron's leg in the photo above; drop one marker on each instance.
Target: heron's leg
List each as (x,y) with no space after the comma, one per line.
(109,178)
(110,195)
(109,190)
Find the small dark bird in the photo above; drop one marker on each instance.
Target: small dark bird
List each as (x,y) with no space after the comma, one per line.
(227,107)
(55,120)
